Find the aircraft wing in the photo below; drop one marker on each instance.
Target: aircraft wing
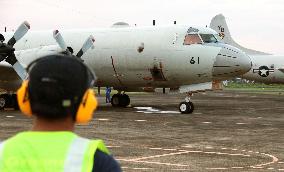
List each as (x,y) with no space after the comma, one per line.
(281,69)
(9,79)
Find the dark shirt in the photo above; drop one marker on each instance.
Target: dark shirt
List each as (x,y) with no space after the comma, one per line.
(105,163)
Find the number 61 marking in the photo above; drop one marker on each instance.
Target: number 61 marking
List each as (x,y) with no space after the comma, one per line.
(193,60)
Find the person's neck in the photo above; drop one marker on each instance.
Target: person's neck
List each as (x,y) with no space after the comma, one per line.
(40,124)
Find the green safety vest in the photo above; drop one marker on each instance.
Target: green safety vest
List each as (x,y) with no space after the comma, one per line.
(49,152)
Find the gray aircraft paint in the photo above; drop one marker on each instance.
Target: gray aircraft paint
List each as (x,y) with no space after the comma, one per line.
(274,64)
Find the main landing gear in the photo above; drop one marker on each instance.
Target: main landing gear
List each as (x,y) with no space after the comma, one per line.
(8,101)
(187,106)
(120,100)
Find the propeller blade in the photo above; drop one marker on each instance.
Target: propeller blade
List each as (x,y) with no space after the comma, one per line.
(86,46)
(20,32)
(20,70)
(59,39)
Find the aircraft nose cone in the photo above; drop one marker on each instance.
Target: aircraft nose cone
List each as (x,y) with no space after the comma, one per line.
(231,62)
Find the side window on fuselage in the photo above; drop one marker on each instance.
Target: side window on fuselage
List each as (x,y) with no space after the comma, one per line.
(192,39)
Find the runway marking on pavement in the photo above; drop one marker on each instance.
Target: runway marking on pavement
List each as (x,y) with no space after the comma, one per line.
(257,167)
(158,156)
(156,148)
(216,168)
(153,162)
(240,123)
(180,169)
(209,147)
(142,168)
(170,149)
(187,146)
(10,116)
(103,119)
(150,110)
(140,120)
(207,122)
(181,152)
(237,167)
(274,160)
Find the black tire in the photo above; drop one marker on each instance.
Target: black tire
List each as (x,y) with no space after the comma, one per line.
(124,100)
(115,100)
(15,102)
(3,101)
(186,107)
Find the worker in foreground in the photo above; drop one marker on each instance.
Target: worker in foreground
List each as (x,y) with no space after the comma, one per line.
(57,95)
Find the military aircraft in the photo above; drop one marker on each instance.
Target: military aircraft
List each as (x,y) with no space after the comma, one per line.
(266,68)
(184,58)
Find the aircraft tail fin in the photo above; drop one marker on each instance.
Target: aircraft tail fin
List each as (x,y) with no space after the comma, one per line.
(219,24)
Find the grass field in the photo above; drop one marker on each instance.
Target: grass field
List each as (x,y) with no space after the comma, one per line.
(256,88)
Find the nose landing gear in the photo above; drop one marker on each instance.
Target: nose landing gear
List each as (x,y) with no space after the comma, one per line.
(120,100)
(187,106)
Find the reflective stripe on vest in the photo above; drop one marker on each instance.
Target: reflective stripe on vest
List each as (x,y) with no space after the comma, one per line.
(75,156)
(1,152)
(1,148)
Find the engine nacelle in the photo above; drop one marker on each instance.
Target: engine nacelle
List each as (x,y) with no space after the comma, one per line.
(25,57)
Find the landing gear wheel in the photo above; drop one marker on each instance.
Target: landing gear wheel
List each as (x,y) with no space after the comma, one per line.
(186,107)
(124,100)
(3,102)
(115,100)
(120,100)
(15,102)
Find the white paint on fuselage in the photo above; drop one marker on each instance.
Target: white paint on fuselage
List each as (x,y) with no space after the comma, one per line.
(128,67)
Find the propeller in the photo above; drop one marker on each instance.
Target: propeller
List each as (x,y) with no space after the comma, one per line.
(7,50)
(59,39)
(20,32)
(89,43)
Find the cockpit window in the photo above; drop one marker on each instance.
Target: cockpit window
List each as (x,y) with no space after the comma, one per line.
(192,39)
(208,38)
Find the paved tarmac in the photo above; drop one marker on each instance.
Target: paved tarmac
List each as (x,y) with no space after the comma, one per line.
(228,131)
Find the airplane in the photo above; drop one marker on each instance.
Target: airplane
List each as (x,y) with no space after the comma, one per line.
(185,58)
(266,68)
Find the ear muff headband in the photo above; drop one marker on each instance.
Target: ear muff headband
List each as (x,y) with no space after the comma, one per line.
(87,106)
(23,99)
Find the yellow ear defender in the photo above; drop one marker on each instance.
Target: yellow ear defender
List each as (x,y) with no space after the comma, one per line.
(23,99)
(84,113)
(87,106)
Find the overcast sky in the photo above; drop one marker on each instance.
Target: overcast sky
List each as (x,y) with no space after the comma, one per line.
(256,24)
